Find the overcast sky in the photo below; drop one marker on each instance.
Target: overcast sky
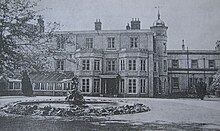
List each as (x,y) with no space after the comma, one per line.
(195,21)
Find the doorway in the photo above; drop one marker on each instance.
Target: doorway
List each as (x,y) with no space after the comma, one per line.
(109,86)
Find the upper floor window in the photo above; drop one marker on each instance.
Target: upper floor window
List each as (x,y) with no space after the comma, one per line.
(122,64)
(143,64)
(165,65)
(175,64)
(60,42)
(211,63)
(111,42)
(89,42)
(133,42)
(132,64)
(85,64)
(165,47)
(194,64)
(111,65)
(154,45)
(155,66)
(60,65)
(97,65)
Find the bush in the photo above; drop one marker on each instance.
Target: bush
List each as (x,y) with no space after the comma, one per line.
(26,85)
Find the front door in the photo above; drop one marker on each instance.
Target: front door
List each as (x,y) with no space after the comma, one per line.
(109,86)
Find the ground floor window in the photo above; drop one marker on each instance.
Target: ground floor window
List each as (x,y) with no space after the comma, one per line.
(17,85)
(160,87)
(210,81)
(132,86)
(58,86)
(96,88)
(175,82)
(36,86)
(69,86)
(50,86)
(11,85)
(143,86)
(122,86)
(65,86)
(85,85)
(43,86)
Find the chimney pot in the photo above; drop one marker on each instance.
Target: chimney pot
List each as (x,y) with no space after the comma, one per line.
(183,45)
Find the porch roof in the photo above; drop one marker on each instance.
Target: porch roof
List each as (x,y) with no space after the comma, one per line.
(47,77)
(108,76)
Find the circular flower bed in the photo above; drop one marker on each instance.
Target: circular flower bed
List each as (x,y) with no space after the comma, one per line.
(74,110)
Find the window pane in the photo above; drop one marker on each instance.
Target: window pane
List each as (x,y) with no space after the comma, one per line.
(11,85)
(17,85)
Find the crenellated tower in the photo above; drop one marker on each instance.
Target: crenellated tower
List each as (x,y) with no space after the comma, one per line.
(160,56)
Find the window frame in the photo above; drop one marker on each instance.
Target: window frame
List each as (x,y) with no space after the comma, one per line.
(122,86)
(133,42)
(96,86)
(110,65)
(194,64)
(111,42)
(85,64)
(212,62)
(132,86)
(132,65)
(175,82)
(155,66)
(143,85)
(175,63)
(85,85)
(122,65)
(97,65)
(60,65)
(89,43)
(61,42)
(143,65)
(165,65)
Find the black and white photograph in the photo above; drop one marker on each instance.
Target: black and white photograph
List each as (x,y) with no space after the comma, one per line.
(109,65)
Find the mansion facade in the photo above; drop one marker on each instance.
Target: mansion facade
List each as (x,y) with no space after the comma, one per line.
(130,62)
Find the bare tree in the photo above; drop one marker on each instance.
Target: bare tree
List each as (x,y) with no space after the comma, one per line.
(24,43)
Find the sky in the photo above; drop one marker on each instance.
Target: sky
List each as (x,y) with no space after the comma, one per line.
(195,21)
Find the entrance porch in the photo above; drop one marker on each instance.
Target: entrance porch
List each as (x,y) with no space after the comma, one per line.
(109,85)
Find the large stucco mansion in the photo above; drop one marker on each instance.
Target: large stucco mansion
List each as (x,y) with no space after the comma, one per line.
(129,62)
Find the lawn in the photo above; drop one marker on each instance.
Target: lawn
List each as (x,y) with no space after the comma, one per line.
(166,114)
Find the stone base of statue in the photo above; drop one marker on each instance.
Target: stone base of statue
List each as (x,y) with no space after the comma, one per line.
(74,97)
(73,94)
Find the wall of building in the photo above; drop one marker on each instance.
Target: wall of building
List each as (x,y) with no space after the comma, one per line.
(187,75)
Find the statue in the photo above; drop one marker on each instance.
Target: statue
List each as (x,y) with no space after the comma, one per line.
(73,94)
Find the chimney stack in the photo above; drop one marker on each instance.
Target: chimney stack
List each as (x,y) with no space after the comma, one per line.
(217,47)
(98,24)
(135,24)
(183,45)
(128,27)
